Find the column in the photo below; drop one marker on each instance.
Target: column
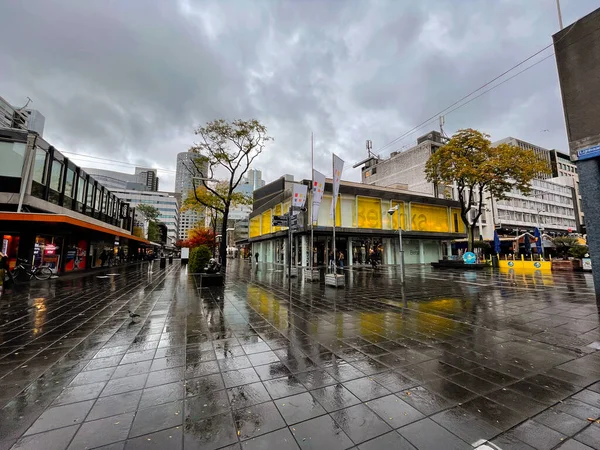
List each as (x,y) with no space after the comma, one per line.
(285,252)
(589,185)
(421,254)
(349,255)
(305,260)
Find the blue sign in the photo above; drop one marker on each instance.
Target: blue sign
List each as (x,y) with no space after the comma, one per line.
(511,264)
(589,153)
(537,265)
(469,258)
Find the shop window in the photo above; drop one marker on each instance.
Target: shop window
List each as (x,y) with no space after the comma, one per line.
(56,176)
(81,190)
(12,156)
(429,218)
(70,183)
(90,196)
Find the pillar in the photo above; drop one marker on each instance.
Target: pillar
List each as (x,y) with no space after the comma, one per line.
(589,185)
(421,253)
(349,255)
(305,259)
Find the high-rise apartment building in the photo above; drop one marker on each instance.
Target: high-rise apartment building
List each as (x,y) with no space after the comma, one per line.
(147,177)
(142,180)
(188,169)
(541,152)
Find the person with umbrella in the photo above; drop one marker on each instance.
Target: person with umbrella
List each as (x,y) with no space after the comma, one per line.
(538,243)
(527,243)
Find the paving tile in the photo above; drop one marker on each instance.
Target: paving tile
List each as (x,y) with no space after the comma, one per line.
(394,381)
(590,436)
(164,393)
(164,376)
(578,409)
(537,435)
(61,416)
(240,377)
(391,440)
(321,433)
(247,395)
(281,440)
(49,440)
(255,420)
(123,385)
(494,413)
(562,422)
(79,393)
(428,434)
(203,385)
(299,407)
(128,370)
(360,423)
(210,433)
(284,387)
(366,388)
(102,432)
(334,397)
(589,397)
(92,376)
(206,405)
(316,379)
(171,439)
(167,363)
(394,411)
(572,444)
(115,404)
(157,418)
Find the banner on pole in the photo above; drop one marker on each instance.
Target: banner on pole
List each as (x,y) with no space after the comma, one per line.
(317,191)
(338,167)
(299,192)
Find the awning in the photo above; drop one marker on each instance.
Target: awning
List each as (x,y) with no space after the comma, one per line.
(67,220)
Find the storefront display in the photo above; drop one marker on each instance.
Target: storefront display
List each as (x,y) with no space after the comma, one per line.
(46,252)
(76,256)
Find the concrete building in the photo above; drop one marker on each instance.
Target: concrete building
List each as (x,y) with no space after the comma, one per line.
(167,203)
(21,118)
(541,152)
(405,167)
(577,51)
(562,166)
(148,177)
(363,225)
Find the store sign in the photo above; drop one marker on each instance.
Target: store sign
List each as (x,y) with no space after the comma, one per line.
(469,258)
(50,249)
(124,210)
(587,263)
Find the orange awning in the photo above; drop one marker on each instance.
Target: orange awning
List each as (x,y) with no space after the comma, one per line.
(61,218)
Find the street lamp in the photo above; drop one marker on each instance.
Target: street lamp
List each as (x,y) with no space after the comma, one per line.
(391,212)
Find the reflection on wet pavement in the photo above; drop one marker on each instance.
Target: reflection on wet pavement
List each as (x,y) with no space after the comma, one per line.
(464,359)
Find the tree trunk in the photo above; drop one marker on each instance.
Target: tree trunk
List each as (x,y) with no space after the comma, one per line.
(223,244)
(470,237)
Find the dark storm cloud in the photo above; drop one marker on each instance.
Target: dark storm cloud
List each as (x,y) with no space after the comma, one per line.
(130,80)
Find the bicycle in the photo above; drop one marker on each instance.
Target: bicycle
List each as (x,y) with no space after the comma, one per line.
(25,271)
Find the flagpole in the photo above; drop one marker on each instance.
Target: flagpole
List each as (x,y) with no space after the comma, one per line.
(334,200)
(312,195)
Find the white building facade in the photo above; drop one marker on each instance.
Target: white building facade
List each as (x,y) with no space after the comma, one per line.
(167,204)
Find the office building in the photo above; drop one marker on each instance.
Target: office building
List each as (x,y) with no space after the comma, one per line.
(540,152)
(167,203)
(52,212)
(142,180)
(147,177)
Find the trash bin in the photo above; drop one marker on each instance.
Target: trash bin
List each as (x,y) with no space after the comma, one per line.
(170,260)
(163,262)
(495,263)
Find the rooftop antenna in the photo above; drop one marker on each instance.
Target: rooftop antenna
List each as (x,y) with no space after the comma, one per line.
(28,102)
(442,123)
(369,148)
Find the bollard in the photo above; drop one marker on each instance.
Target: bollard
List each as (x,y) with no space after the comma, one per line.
(163,263)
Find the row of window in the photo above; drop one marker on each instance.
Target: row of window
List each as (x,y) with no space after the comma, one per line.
(535,219)
(567,167)
(60,181)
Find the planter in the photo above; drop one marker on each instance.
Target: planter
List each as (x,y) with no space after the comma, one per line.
(335,280)
(562,265)
(312,275)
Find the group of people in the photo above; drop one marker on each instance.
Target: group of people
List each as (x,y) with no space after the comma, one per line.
(107,257)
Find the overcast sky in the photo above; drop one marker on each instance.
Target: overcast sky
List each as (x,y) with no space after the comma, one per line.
(130,79)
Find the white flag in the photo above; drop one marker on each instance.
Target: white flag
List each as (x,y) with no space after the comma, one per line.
(317,193)
(338,166)
(299,192)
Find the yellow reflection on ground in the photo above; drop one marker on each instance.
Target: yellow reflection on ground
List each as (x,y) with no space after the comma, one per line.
(39,318)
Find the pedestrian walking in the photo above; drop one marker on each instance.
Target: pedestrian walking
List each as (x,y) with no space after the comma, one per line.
(103,258)
(341,259)
(151,258)
(331,263)
(256,257)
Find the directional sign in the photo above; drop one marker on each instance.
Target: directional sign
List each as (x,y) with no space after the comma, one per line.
(589,153)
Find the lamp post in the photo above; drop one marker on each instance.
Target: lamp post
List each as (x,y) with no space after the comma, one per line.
(391,213)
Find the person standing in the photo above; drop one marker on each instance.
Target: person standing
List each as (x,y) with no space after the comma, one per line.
(103,258)
(341,259)
(256,257)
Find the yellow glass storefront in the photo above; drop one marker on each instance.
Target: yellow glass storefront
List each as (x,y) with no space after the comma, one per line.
(265,227)
(429,218)
(254,227)
(369,212)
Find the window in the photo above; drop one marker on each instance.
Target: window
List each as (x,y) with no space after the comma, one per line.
(39,165)
(12,157)
(56,176)
(81,190)
(70,183)
(90,195)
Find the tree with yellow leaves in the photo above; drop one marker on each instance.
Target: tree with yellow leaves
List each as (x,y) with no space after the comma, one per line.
(470,163)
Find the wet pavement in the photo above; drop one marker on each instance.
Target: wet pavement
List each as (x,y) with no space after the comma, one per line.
(450,361)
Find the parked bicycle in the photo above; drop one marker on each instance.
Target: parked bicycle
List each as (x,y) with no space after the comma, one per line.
(24,271)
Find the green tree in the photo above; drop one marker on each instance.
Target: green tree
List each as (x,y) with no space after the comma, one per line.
(150,213)
(564,244)
(229,148)
(469,162)
(199,257)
